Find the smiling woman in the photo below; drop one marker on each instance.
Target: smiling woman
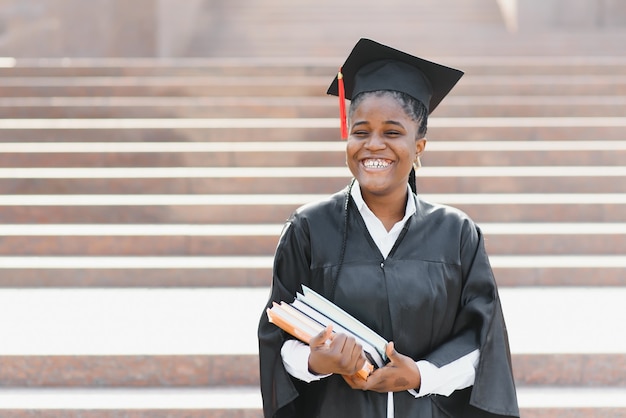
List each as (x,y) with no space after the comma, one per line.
(415,272)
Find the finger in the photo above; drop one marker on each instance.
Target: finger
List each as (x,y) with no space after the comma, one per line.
(361,361)
(338,342)
(355,356)
(348,345)
(352,358)
(348,355)
(358,357)
(355,347)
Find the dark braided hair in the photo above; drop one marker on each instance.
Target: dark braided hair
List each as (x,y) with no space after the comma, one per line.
(344,241)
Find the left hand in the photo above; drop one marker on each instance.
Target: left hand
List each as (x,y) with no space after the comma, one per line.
(401,373)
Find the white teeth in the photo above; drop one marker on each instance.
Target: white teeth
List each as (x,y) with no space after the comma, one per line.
(377,163)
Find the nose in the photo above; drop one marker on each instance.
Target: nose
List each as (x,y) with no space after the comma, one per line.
(375,142)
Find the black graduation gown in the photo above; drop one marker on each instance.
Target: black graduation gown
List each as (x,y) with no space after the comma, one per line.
(434,296)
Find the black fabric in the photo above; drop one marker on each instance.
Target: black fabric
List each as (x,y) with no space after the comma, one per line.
(434,296)
(372,66)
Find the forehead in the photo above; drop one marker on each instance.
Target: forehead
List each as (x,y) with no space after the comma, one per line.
(381,103)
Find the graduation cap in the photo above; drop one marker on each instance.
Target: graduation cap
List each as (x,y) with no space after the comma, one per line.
(373,66)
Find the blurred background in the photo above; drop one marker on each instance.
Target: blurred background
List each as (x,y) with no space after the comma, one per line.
(150,151)
(214,28)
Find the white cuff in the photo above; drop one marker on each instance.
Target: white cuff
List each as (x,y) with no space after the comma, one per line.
(446,379)
(295,355)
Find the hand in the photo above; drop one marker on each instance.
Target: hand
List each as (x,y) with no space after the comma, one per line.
(335,353)
(401,373)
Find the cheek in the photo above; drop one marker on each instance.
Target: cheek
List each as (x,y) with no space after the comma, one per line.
(406,149)
(352,148)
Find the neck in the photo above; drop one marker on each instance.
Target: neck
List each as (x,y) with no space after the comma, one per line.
(390,209)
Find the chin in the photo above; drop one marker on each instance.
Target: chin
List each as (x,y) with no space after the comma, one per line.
(374,187)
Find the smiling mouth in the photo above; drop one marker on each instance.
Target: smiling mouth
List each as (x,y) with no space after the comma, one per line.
(376,163)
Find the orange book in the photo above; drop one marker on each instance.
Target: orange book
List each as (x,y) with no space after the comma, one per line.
(279,317)
(290,321)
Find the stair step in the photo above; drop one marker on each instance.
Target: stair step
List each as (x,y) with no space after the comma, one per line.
(246,402)
(296,107)
(299,146)
(260,239)
(255,271)
(273,230)
(206,182)
(135,400)
(183,321)
(296,65)
(307,123)
(307,129)
(205,187)
(252,157)
(300,199)
(258,85)
(307,154)
(214,370)
(300,172)
(276,208)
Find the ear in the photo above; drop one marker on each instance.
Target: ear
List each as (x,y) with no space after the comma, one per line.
(420,145)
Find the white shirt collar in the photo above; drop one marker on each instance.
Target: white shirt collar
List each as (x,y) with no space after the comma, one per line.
(383,239)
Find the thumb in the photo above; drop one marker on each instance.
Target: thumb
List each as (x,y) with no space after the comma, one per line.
(321,338)
(328,332)
(391,352)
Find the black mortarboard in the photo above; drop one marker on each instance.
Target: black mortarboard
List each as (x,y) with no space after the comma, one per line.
(372,66)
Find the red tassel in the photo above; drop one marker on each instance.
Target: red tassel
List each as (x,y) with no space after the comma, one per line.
(342,106)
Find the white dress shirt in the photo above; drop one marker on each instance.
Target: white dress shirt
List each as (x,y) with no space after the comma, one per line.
(443,380)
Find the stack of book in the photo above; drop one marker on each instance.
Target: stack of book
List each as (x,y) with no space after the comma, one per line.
(310,313)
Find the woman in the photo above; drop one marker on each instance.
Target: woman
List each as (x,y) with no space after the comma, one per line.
(415,272)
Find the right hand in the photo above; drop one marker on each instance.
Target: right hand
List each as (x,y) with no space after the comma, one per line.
(342,355)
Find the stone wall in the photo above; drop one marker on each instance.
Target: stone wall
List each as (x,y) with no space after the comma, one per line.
(204,28)
(76,28)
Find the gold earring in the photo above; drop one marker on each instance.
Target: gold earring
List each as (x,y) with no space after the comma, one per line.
(417,164)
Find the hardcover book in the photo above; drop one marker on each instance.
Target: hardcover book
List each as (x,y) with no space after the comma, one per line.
(310,313)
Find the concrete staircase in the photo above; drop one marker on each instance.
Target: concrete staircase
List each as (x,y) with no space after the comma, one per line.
(141,199)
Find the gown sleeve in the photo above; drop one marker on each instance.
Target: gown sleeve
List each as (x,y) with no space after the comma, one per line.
(479,324)
(279,390)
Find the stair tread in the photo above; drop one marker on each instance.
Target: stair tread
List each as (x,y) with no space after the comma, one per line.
(183,321)
(248,397)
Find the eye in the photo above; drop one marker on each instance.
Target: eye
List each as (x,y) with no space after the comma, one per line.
(360,133)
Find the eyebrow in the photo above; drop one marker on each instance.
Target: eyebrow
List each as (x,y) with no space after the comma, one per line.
(387,122)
